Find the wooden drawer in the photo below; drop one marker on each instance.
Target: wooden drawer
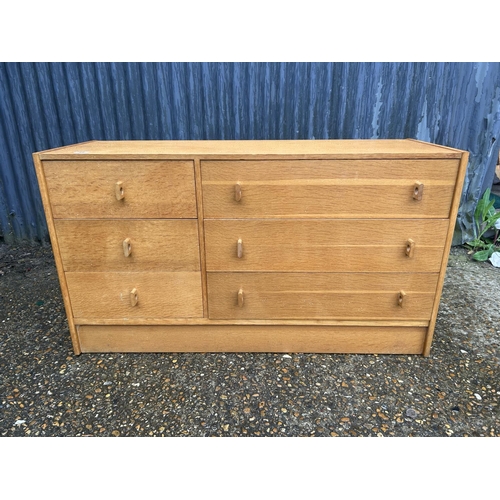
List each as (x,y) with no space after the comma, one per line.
(367,296)
(325,245)
(159,295)
(129,245)
(251,246)
(151,189)
(328,188)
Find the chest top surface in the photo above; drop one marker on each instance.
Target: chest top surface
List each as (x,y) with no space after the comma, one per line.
(333,149)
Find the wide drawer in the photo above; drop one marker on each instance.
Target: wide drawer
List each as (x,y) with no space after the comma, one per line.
(325,245)
(135,295)
(121,189)
(128,245)
(329,188)
(367,296)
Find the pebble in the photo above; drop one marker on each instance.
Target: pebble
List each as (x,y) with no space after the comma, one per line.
(48,391)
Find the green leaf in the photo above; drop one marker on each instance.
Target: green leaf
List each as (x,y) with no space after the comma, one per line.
(485,217)
(494,218)
(482,205)
(478,213)
(482,255)
(476,244)
(489,211)
(486,205)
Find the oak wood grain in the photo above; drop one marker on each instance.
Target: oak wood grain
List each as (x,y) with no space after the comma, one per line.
(151,189)
(324,245)
(311,246)
(278,171)
(269,322)
(312,188)
(321,295)
(201,235)
(56,251)
(447,246)
(345,148)
(252,338)
(156,244)
(160,294)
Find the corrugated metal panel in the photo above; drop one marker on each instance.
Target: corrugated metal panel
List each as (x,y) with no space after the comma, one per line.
(47,105)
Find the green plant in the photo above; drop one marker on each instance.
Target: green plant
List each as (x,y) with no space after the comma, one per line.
(485,217)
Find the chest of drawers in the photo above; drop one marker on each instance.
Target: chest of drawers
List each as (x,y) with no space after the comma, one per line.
(251,246)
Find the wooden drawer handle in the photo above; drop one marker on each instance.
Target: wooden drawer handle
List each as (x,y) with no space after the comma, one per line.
(240,297)
(418,191)
(237,191)
(239,247)
(410,248)
(134,297)
(119,191)
(401,298)
(127,247)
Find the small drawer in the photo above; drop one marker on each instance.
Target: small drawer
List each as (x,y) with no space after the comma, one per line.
(342,296)
(129,245)
(325,245)
(329,188)
(124,296)
(121,189)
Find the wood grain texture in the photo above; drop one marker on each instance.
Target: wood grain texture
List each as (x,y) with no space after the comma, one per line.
(369,296)
(311,246)
(330,200)
(339,188)
(152,189)
(257,170)
(56,251)
(157,244)
(160,295)
(268,322)
(324,245)
(252,338)
(353,148)
(201,235)
(449,238)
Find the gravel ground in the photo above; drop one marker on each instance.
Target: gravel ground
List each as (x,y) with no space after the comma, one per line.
(45,390)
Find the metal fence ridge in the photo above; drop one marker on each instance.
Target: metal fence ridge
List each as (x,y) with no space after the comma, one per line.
(48,105)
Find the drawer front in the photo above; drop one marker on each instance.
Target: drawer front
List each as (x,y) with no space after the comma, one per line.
(341,188)
(129,245)
(121,189)
(135,295)
(389,296)
(325,245)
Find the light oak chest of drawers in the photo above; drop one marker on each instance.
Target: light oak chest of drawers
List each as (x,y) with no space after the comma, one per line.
(334,246)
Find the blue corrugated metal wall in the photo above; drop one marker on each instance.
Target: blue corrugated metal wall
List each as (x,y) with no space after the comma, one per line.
(46,105)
